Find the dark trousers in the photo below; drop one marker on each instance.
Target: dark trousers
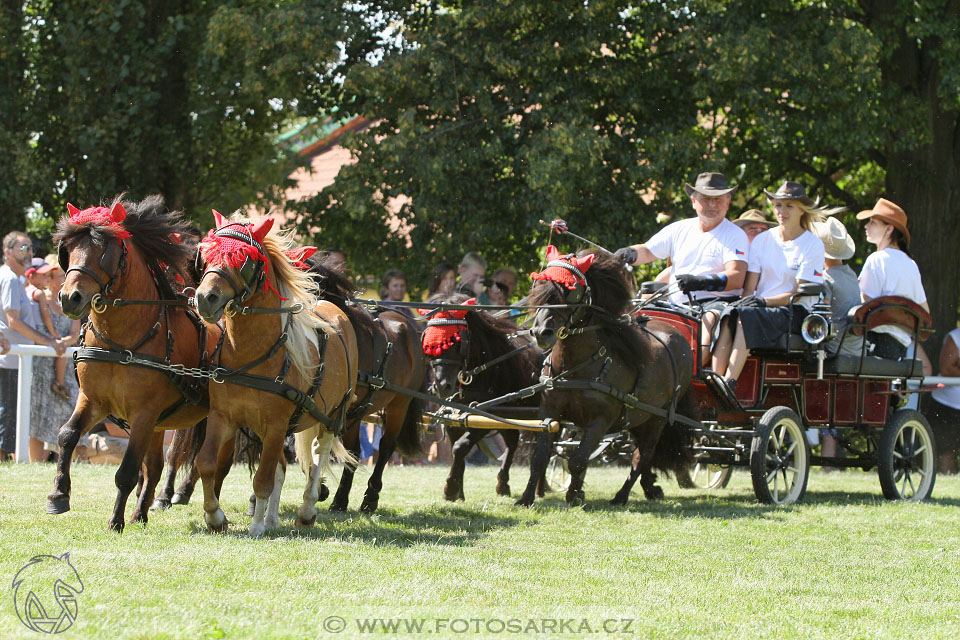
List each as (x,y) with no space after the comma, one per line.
(8,410)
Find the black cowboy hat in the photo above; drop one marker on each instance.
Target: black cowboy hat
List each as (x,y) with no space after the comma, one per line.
(710,184)
(791,190)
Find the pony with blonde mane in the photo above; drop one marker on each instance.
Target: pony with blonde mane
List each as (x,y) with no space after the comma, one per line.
(288,363)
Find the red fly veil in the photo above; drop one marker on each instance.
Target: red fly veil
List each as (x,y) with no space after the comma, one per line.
(231,243)
(443,329)
(565,270)
(298,257)
(102,217)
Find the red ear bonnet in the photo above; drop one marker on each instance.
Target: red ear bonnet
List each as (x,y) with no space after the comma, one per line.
(299,257)
(262,228)
(218,219)
(443,329)
(557,272)
(101,217)
(222,246)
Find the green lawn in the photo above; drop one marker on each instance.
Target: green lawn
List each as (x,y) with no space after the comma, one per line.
(844,563)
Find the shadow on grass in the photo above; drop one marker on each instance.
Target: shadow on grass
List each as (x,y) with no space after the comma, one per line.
(445,525)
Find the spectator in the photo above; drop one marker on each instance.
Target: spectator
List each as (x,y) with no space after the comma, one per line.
(501,287)
(335,260)
(753,223)
(944,412)
(471,270)
(393,288)
(19,324)
(442,280)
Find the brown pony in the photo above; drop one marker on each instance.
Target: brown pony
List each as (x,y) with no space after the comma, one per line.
(459,345)
(288,363)
(610,372)
(117,254)
(389,350)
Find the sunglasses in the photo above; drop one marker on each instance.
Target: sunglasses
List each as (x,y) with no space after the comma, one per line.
(499,285)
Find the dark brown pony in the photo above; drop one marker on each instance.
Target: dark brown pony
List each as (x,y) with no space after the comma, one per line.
(482,339)
(288,363)
(389,350)
(123,252)
(612,374)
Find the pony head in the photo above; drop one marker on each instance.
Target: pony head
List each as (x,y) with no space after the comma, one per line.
(444,329)
(232,244)
(567,270)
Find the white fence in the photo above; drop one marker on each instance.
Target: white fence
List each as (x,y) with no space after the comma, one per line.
(27,353)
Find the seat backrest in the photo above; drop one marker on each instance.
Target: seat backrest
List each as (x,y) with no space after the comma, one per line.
(902,312)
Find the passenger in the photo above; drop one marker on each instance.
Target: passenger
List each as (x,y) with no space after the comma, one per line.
(889,271)
(753,223)
(840,283)
(780,260)
(708,253)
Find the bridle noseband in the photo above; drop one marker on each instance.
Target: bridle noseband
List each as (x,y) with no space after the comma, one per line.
(63,260)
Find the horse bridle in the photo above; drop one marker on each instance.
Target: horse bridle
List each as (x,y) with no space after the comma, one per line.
(580,295)
(252,272)
(464,344)
(63,260)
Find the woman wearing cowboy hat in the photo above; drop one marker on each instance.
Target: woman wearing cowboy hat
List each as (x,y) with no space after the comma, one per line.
(889,271)
(780,259)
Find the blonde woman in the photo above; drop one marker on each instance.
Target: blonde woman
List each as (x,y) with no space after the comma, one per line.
(780,260)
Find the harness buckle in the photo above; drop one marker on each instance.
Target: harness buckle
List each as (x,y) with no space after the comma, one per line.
(563,333)
(96,303)
(230,309)
(465,378)
(128,356)
(297,307)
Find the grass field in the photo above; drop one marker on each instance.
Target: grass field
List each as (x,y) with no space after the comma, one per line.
(842,564)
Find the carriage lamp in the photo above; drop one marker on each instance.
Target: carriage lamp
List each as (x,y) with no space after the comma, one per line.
(815,328)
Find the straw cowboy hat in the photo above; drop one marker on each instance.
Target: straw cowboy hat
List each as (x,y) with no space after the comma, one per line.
(753,216)
(889,213)
(837,243)
(791,190)
(710,184)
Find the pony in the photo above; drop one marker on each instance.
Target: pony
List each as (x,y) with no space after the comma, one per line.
(302,382)
(474,357)
(390,362)
(610,372)
(133,341)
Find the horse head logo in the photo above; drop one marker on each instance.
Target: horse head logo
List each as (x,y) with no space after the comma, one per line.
(45,593)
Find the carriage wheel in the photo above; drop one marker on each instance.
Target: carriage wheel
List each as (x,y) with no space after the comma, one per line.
(704,476)
(558,473)
(907,462)
(779,457)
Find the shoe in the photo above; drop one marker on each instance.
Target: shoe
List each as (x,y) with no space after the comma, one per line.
(61,390)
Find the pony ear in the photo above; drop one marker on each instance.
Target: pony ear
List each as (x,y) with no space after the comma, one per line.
(72,210)
(584,263)
(218,219)
(118,213)
(552,253)
(424,312)
(262,228)
(470,301)
(306,252)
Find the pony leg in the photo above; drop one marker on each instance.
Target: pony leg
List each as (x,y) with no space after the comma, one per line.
(511,438)
(313,470)
(209,461)
(185,491)
(351,440)
(580,459)
(371,498)
(272,520)
(164,498)
(151,472)
(80,421)
(624,494)
(265,479)
(538,467)
(453,490)
(141,437)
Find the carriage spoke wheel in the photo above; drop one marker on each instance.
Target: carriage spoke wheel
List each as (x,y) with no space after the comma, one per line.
(907,462)
(779,457)
(704,476)
(558,473)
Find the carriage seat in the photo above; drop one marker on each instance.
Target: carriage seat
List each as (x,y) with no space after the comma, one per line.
(872,366)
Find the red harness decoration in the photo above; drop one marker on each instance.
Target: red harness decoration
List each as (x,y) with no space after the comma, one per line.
(103,217)
(559,269)
(443,329)
(223,250)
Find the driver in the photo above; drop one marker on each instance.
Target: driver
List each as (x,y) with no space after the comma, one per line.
(708,253)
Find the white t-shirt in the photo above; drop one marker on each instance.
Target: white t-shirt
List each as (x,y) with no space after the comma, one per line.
(781,263)
(698,253)
(891,272)
(949,395)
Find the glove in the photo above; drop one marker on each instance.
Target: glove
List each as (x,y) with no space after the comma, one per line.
(629,255)
(690,283)
(749,301)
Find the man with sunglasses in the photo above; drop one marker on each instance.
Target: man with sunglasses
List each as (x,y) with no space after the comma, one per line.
(17,322)
(500,288)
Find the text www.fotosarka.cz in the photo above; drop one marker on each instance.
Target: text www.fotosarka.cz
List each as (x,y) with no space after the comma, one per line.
(573,626)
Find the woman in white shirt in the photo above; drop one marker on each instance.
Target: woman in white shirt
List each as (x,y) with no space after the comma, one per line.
(780,259)
(889,271)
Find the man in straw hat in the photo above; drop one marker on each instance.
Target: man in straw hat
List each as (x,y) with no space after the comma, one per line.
(753,223)
(708,253)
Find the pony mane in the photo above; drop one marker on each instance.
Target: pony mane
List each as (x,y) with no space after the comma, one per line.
(490,339)
(296,286)
(152,228)
(612,292)
(335,287)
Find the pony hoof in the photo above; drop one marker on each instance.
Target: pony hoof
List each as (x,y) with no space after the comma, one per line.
(324,493)
(302,523)
(257,530)
(57,506)
(115,526)
(618,501)
(576,498)
(337,507)
(160,504)
(368,507)
(216,522)
(524,502)
(503,489)
(251,509)
(180,498)
(655,493)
